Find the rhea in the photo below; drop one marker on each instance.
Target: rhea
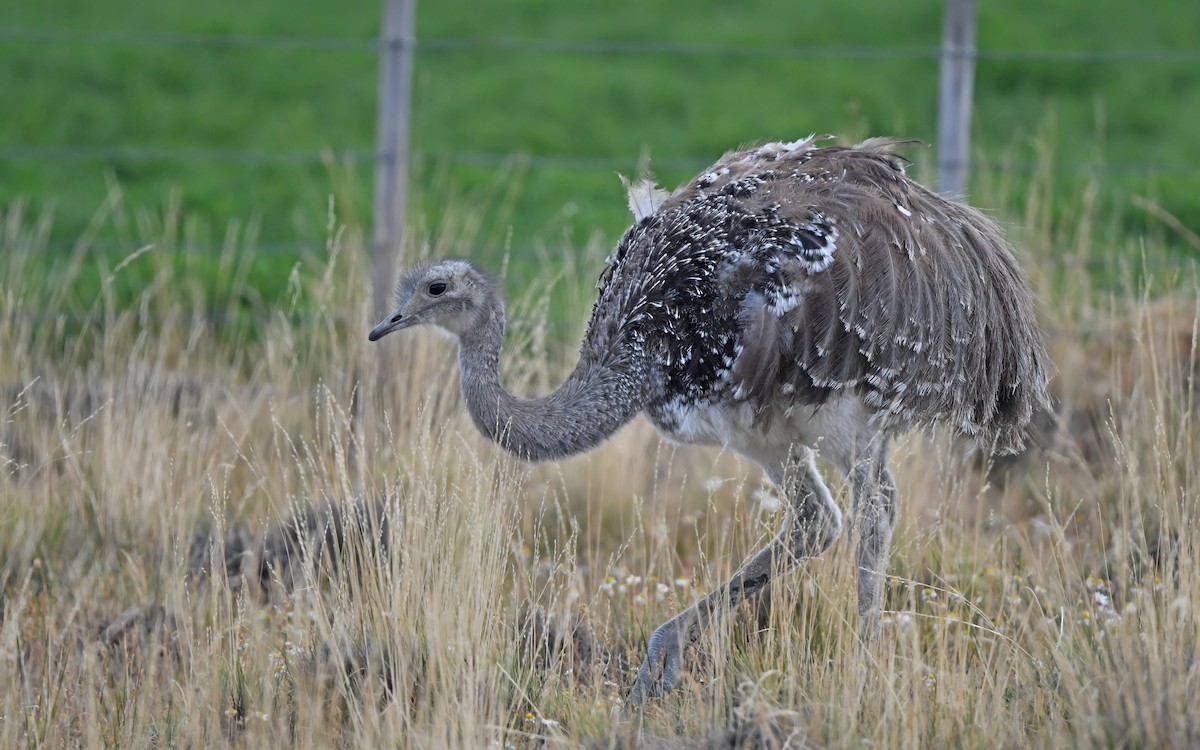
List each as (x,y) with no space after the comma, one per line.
(788,301)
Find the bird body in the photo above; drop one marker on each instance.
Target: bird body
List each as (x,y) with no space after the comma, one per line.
(787,299)
(789,274)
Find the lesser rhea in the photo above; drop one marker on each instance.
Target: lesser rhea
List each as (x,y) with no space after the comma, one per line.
(790,298)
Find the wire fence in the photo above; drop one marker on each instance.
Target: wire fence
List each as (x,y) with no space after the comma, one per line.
(254,157)
(583,46)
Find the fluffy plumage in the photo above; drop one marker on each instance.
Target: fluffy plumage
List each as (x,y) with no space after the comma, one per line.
(789,274)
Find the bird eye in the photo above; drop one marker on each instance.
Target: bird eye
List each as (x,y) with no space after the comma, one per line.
(437,288)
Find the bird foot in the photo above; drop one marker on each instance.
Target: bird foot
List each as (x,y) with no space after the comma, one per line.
(659,672)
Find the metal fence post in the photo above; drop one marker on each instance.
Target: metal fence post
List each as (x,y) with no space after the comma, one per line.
(392,133)
(957,80)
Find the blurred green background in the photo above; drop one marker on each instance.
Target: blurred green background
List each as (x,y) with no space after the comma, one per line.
(213,117)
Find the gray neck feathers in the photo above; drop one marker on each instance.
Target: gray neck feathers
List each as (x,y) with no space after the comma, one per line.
(593,403)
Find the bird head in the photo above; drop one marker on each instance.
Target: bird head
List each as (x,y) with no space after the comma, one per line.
(450,294)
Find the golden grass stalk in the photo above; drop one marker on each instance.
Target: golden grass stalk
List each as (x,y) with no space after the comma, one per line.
(211,538)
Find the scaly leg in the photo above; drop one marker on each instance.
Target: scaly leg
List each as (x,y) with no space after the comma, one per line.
(813,524)
(875,513)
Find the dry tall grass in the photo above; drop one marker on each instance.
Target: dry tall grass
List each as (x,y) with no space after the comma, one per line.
(281,536)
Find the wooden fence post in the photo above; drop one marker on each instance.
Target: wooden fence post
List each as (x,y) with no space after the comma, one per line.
(957,80)
(392,134)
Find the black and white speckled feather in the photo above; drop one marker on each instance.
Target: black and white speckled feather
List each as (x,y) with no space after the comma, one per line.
(790,274)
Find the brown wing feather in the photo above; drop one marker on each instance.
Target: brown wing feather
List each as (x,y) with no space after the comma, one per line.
(922,310)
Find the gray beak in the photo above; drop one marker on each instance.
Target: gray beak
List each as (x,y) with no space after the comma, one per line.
(392,322)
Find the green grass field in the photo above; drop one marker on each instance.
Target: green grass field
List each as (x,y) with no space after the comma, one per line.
(235,132)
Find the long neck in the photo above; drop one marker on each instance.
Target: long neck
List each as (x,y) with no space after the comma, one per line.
(592,404)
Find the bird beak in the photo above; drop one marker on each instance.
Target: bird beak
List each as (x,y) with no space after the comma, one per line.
(393,322)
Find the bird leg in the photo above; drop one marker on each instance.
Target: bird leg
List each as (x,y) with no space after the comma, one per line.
(813,524)
(875,518)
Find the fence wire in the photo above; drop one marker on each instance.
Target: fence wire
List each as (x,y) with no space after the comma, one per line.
(135,153)
(582,46)
(254,157)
